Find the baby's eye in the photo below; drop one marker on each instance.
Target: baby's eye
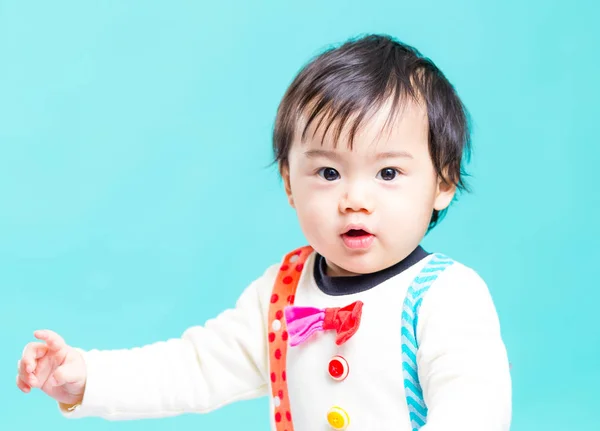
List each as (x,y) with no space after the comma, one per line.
(387,174)
(329,174)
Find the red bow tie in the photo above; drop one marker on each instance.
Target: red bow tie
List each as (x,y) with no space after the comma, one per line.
(302,322)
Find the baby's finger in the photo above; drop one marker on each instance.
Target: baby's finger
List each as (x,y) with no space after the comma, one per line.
(65,374)
(24,387)
(55,342)
(30,379)
(31,353)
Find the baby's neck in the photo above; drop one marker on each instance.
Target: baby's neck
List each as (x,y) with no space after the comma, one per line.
(335,284)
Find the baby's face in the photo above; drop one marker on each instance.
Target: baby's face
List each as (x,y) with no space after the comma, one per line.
(367,208)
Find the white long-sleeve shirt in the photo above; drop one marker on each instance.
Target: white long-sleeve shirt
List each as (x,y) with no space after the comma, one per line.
(463,364)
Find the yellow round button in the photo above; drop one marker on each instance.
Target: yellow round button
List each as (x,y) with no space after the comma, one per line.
(338,418)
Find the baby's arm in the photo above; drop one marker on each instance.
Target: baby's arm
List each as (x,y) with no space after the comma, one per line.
(208,367)
(463,364)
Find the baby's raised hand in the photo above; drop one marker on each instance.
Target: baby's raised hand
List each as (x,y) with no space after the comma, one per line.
(53,366)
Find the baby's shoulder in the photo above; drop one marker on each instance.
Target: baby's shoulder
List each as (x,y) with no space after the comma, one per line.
(458,271)
(458,282)
(290,265)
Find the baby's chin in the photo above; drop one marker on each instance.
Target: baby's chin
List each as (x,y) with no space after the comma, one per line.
(355,265)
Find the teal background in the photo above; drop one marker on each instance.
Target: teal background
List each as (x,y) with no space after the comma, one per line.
(136,199)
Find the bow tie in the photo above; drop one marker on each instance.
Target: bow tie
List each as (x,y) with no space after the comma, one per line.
(302,322)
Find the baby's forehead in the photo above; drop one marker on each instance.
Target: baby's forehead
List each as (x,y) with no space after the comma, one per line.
(384,129)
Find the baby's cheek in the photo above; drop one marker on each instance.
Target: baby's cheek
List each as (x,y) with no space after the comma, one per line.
(318,204)
(316,224)
(309,217)
(404,213)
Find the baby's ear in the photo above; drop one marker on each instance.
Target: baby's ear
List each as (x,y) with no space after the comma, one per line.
(285,175)
(444,194)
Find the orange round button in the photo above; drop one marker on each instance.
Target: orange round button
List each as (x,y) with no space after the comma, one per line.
(338,418)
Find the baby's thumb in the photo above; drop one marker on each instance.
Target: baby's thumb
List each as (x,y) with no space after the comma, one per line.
(67,373)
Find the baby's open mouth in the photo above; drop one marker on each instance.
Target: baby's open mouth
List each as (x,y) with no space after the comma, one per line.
(357,232)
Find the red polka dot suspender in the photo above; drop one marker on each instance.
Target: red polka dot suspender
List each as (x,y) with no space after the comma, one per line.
(284,290)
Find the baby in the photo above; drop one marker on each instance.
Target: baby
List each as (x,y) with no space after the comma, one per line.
(362,329)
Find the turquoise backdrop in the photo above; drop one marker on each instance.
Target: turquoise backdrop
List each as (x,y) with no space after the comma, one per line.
(136,199)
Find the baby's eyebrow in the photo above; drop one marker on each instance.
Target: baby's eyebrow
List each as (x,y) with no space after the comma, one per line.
(394,154)
(311,154)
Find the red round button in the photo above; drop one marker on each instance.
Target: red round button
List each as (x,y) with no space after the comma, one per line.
(338,368)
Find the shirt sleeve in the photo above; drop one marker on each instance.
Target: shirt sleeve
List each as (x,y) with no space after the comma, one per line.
(462,359)
(208,367)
